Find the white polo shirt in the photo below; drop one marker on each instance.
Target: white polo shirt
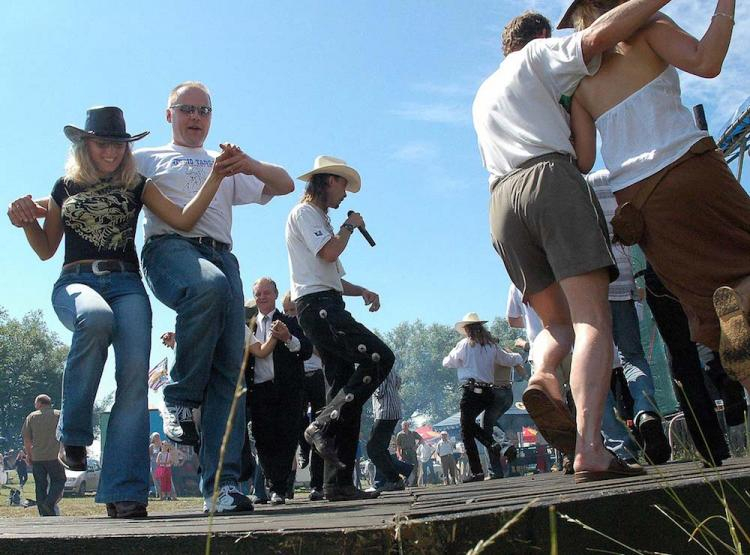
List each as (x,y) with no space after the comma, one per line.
(307,231)
(517,112)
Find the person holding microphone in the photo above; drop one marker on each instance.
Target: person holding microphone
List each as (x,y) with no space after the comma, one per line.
(317,289)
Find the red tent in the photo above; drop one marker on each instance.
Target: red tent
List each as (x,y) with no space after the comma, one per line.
(427,432)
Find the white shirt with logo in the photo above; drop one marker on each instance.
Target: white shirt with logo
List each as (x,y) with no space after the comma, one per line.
(307,231)
(179,172)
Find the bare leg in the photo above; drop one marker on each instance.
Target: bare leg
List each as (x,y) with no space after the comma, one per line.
(591,368)
(556,339)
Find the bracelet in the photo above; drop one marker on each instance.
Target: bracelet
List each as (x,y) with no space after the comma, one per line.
(722,14)
(348,227)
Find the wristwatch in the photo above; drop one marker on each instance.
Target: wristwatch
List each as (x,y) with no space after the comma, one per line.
(348,227)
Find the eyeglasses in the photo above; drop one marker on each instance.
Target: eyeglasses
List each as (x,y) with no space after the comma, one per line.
(204,111)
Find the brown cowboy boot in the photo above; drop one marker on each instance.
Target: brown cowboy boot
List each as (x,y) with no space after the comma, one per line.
(732,306)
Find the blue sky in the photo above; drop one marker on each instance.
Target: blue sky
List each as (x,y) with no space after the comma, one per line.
(386,85)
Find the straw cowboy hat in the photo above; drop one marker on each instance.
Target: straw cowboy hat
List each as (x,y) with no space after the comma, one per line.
(470,318)
(103,122)
(335,166)
(566,22)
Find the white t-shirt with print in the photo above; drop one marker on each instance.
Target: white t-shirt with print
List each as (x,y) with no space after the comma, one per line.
(517,113)
(179,172)
(307,231)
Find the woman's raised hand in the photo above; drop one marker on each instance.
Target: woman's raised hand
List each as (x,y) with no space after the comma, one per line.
(25,211)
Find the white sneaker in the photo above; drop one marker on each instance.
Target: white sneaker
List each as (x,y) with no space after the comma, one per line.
(277,499)
(230,500)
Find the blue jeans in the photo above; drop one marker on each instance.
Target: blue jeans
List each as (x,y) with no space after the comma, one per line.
(617,437)
(202,284)
(111,309)
(627,335)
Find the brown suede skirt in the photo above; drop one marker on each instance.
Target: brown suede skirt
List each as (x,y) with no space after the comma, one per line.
(697,236)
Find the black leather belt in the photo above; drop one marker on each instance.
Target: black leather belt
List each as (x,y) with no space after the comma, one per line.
(471,382)
(203,241)
(209,242)
(100,267)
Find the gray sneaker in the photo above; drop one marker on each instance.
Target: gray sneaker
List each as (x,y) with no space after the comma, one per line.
(179,425)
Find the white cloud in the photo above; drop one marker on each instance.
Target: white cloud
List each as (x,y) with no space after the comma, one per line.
(416,152)
(435,112)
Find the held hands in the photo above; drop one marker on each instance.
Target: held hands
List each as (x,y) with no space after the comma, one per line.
(280,331)
(24,211)
(371,299)
(233,161)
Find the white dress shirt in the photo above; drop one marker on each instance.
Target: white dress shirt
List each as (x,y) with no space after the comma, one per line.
(264,366)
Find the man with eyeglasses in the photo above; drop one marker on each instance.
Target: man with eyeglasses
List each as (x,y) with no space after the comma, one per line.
(196,275)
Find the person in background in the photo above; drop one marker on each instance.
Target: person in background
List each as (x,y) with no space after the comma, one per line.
(22,468)
(425,455)
(154,448)
(164,462)
(444,451)
(42,448)
(406,450)
(475,357)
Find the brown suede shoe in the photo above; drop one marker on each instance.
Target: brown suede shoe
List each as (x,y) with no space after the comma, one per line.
(734,344)
(552,419)
(616,469)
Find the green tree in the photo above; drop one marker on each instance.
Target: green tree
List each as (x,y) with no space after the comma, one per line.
(31,362)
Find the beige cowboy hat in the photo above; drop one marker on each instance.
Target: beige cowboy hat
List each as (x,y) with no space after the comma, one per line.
(470,318)
(335,166)
(567,22)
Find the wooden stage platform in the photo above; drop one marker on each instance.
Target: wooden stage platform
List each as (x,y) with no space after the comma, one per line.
(437,519)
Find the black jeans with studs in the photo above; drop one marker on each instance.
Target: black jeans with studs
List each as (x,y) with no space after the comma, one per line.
(356,361)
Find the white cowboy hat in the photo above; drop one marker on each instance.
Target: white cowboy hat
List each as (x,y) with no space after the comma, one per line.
(335,166)
(470,318)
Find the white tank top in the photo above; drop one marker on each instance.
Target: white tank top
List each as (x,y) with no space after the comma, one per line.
(647,131)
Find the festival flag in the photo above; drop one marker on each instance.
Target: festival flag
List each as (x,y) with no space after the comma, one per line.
(158,376)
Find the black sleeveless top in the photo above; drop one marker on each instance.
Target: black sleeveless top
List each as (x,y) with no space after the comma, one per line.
(99,220)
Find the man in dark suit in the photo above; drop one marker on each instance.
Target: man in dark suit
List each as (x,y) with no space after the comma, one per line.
(275,388)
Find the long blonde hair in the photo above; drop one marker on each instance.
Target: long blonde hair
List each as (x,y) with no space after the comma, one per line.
(81,169)
(589,11)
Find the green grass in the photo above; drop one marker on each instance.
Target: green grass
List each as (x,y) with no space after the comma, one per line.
(74,505)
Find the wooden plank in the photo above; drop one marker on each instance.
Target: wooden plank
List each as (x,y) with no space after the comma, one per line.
(452,517)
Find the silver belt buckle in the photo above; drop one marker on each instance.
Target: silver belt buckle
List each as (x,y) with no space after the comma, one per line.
(478,390)
(96,270)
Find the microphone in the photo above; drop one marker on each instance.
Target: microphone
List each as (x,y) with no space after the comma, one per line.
(363,231)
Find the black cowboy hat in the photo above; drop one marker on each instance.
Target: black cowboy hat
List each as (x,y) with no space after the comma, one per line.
(103,122)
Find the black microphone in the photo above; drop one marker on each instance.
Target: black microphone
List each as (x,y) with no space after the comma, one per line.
(363,231)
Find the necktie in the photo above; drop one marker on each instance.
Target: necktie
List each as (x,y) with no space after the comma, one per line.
(264,333)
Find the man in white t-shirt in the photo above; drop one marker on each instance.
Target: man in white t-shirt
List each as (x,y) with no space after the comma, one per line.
(317,289)
(546,224)
(196,275)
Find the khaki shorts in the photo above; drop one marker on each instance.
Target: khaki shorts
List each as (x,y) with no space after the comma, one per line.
(547,224)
